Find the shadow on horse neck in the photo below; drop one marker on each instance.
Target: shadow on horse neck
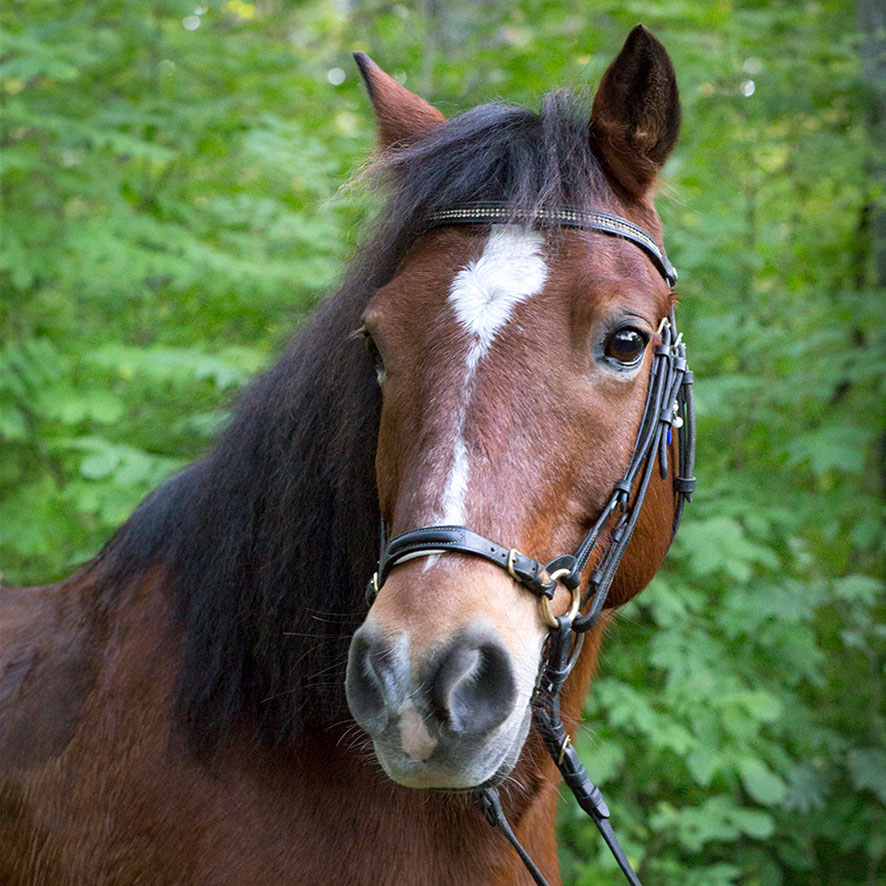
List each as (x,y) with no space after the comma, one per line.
(176,711)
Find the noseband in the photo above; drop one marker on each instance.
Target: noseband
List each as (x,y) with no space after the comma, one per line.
(668,406)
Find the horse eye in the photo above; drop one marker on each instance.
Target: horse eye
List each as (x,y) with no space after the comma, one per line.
(626,345)
(375,354)
(372,349)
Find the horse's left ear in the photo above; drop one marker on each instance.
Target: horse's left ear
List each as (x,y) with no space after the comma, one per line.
(402,116)
(636,115)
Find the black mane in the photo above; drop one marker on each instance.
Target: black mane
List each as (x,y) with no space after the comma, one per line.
(270,538)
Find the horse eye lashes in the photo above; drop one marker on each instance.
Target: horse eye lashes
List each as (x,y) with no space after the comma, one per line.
(371,347)
(368,342)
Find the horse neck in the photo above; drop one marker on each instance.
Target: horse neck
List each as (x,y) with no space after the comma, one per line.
(355,825)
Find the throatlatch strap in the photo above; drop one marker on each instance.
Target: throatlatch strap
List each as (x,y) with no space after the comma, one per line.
(490,805)
(546,708)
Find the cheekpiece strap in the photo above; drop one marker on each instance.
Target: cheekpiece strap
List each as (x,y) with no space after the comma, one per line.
(558,217)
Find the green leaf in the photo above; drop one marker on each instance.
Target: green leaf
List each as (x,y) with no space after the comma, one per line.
(13,425)
(867,769)
(703,764)
(806,788)
(838,447)
(761,782)
(717,819)
(721,544)
(864,589)
(100,465)
(755,824)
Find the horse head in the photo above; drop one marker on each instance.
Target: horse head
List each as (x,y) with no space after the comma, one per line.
(514,360)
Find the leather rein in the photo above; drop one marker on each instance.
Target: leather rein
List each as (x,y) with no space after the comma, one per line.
(668,406)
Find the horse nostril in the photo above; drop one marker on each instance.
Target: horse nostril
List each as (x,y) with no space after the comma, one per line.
(473,689)
(366,680)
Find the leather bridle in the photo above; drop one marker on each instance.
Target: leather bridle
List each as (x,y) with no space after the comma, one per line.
(668,405)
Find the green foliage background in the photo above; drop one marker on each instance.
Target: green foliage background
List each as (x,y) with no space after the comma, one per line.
(171,210)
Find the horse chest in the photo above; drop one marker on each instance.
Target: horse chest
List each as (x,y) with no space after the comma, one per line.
(97,787)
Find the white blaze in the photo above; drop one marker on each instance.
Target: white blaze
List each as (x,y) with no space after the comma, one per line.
(483,295)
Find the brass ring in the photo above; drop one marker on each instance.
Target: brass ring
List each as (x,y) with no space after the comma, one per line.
(574,605)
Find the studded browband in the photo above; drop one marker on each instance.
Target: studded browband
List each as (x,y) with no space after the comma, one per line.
(558,217)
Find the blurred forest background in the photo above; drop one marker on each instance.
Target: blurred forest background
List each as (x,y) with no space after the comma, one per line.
(171,210)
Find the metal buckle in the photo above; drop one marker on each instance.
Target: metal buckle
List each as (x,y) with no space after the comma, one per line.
(513,553)
(574,605)
(566,742)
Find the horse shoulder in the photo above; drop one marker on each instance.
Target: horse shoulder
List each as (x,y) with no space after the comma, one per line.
(85,698)
(47,668)
(46,672)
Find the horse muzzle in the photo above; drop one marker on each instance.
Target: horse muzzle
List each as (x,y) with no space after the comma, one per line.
(452,718)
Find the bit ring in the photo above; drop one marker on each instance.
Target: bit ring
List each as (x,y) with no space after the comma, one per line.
(574,605)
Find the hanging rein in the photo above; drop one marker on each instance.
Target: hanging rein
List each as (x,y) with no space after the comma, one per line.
(668,406)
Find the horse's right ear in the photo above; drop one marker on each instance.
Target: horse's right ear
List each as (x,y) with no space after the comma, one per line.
(636,116)
(401,115)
